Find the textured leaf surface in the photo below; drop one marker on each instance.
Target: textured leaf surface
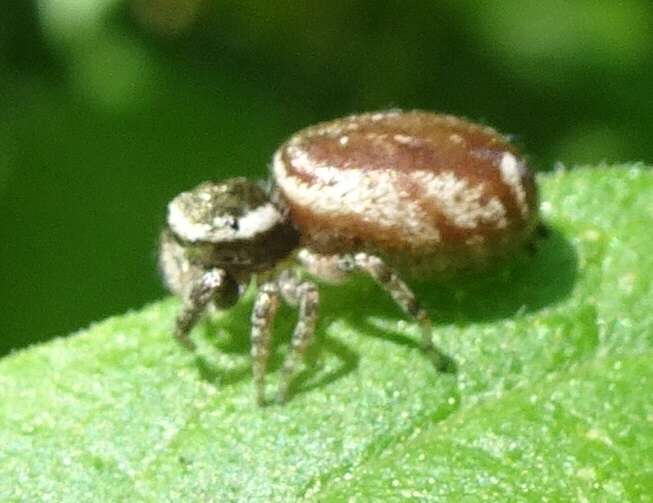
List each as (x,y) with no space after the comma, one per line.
(552,396)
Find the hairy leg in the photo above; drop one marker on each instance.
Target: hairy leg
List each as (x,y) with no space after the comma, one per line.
(336,266)
(265,308)
(305,295)
(403,296)
(205,288)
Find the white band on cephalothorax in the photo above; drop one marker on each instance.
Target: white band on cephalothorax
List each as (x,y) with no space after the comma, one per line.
(256,221)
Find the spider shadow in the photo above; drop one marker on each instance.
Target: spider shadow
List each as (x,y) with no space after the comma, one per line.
(526,283)
(535,278)
(312,376)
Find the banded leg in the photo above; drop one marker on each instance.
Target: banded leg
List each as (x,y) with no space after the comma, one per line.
(401,294)
(265,309)
(203,291)
(306,296)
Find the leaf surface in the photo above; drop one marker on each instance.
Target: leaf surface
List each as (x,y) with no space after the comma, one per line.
(551,396)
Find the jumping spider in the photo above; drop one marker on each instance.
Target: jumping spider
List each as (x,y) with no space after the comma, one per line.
(379,192)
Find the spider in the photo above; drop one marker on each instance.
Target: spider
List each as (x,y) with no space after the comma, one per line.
(414,192)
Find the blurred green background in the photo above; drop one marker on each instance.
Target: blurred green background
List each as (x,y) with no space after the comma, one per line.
(110,107)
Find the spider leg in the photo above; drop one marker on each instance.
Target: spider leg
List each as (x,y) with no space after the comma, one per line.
(201,293)
(336,267)
(306,296)
(265,309)
(403,296)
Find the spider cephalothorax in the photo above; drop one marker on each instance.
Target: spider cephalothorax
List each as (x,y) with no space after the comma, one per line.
(232,225)
(422,192)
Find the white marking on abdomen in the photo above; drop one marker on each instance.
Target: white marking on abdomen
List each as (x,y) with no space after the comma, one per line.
(512,172)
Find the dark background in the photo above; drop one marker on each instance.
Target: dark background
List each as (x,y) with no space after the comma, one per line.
(110,107)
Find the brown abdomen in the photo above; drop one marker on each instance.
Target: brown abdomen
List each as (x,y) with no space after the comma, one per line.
(414,187)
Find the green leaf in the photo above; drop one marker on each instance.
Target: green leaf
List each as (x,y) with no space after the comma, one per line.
(552,395)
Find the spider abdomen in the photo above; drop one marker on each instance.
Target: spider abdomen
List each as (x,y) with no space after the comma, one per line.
(428,191)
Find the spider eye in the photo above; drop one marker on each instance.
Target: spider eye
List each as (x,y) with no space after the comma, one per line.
(227,222)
